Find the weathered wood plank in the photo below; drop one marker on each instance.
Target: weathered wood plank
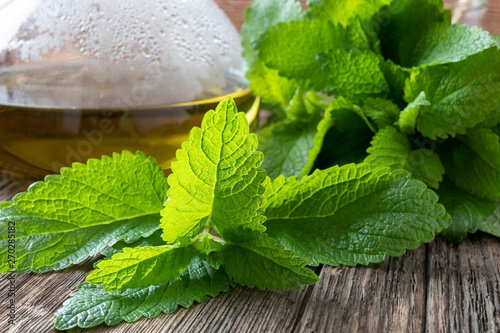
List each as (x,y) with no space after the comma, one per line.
(464,285)
(38,297)
(386,297)
(239,310)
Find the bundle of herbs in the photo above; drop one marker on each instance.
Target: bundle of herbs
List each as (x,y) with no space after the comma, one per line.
(384,130)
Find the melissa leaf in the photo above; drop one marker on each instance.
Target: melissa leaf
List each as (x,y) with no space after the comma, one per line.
(467,212)
(461,94)
(441,44)
(217,185)
(275,90)
(404,22)
(292,48)
(216,179)
(355,75)
(353,214)
(286,146)
(382,112)
(491,225)
(408,117)
(141,267)
(73,216)
(317,53)
(392,148)
(264,14)
(266,82)
(472,162)
(260,261)
(345,10)
(91,305)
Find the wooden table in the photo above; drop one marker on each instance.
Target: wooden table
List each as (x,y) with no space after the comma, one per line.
(438,288)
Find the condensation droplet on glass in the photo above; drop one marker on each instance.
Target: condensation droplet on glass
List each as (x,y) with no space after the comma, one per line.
(116,42)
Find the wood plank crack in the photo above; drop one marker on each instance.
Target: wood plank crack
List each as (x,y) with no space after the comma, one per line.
(306,300)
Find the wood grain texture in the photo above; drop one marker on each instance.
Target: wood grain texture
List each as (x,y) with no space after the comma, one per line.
(464,286)
(38,297)
(385,297)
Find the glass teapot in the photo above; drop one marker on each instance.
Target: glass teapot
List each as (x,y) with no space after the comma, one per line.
(82,79)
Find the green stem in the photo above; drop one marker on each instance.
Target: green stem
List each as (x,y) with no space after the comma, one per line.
(206,233)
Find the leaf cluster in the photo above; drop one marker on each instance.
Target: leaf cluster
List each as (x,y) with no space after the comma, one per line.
(224,222)
(389,83)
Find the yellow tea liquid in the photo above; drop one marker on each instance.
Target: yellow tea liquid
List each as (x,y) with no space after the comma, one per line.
(37,141)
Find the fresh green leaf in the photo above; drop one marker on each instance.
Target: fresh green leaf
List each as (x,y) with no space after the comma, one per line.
(396,77)
(404,22)
(286,146)
(461,94)
(141,267)
(293,48)
(268,84)
(425,165)
(153,240)
(264,14)
(491,225)
(260,261)
(322,59)
(355,75)
(73,216)
(472,162)
(344,11)
(492,119)
(302,107)
(408,117)
(441,44)
(91,305)
(216,179)
(381,112)
(467,212)
(391,148)
(264,81)
(217,183)
(353,214)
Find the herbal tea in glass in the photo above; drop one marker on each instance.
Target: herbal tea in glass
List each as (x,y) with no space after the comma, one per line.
(82,80)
